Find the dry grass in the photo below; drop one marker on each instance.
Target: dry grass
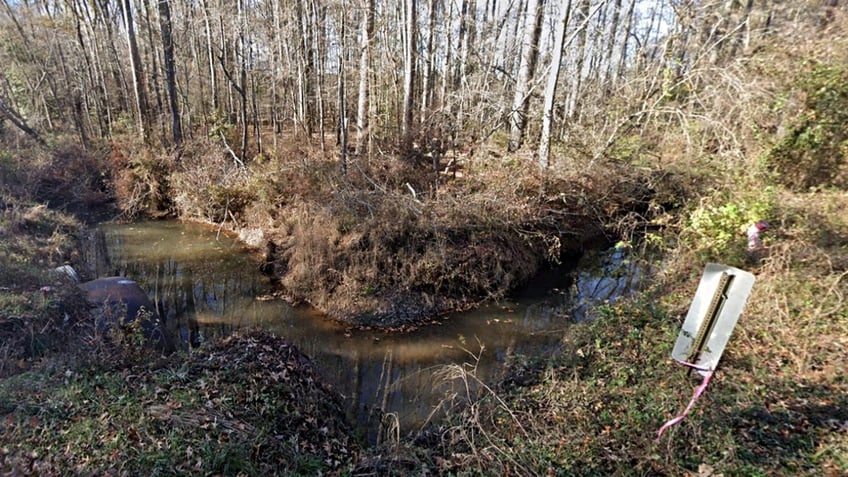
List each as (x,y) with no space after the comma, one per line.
(392,242)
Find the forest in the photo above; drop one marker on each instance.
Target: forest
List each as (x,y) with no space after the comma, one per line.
(410,77)
(391,163)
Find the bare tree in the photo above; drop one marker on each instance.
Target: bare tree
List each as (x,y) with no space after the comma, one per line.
(170,73)
(363,110)
(529,53)
(141,104)
(550,88)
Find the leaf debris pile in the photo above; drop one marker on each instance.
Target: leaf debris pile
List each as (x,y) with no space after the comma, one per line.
(251,404)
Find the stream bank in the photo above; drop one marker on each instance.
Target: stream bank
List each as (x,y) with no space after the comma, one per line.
(366,251)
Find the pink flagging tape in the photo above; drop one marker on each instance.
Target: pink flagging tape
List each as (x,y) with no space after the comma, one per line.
(695,395)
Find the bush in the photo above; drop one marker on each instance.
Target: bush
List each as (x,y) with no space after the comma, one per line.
(813,152)
(211,187)
(716,227)
(140,179)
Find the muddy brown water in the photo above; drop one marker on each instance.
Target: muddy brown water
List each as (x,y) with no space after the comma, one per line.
(207,285)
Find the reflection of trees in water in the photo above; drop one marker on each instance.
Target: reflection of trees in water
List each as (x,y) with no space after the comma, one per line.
(212,292)
(205,279)
(96,261)
(607,277)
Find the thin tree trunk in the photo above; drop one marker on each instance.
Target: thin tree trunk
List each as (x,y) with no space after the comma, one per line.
(595,50)
(276,67)
(550,88)
(447,71)
(610,72)
(363,112)
(467,34)
(342,109)
(409,72)
(318,23)
(306,65)
(125,101)
(741,38)
(577,77)
(18,121)
(628,26)
(170,75)
(141,106)
(213,84)
(155,74)
(241,57)
(529,50)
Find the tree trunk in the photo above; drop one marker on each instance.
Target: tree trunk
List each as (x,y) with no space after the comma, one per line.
(341,86)
(210,48)
(610,72)
(625,41)
(141,105)
(467,33)
(577,77)
(305,66)
(318,26)
(409,72)
(18,121)
(363,113)
(447,74)
(427,76)
(155,74)
(550,88)
(241,57)
(529,50)
(170,74)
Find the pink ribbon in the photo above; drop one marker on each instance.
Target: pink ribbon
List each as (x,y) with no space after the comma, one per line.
(695,395)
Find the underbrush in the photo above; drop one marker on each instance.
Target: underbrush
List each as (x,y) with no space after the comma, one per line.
(250,405)
(38,309)
(393,242)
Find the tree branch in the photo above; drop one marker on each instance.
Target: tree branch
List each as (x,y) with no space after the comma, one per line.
(18,121)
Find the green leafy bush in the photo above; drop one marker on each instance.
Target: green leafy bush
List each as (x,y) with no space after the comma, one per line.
(813,152)
(716,227)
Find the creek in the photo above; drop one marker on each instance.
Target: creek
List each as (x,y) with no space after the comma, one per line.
(208,285)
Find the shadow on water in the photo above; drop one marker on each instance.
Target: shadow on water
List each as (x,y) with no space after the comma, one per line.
(207,286)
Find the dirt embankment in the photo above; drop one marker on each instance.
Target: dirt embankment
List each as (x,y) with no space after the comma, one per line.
(393,243)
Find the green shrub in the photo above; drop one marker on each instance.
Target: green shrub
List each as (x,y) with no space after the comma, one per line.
(716,227)
(813,152)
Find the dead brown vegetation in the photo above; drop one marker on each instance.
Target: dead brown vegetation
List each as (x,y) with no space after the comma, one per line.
(393,241)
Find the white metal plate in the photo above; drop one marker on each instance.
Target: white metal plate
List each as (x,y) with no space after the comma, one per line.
(715,337)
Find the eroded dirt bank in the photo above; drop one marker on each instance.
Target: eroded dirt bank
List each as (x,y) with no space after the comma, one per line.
(392,244)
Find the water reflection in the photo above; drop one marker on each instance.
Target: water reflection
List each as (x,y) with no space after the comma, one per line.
(208,285)
(603,277)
